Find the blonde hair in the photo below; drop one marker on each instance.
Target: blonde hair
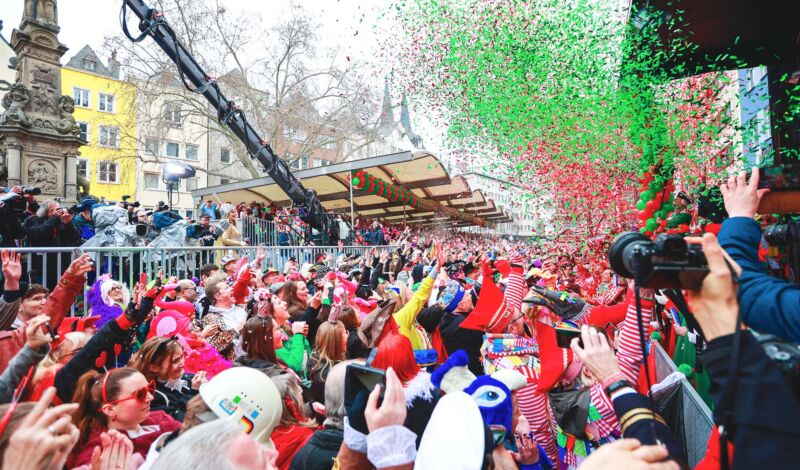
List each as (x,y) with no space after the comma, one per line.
(75,339)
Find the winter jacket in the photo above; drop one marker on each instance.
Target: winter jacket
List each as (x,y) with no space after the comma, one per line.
(454,338)
(406,317)
(153,427)
(56,307)
(18,368)
(288,441)
(172,398)
(50,231)
(355,346)
(102,351)
(311,316)
(768,304)
(319,451)
(764,406)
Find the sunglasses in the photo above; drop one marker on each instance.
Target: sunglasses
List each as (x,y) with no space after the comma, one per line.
(139,395)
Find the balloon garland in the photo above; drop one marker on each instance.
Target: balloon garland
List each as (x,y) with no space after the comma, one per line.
(374,185)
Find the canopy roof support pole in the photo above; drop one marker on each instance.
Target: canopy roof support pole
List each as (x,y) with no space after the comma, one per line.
(352,214)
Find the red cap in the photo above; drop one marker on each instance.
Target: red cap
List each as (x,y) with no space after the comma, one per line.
(553,360)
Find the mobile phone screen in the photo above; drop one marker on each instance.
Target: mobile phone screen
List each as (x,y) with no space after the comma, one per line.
(779,177)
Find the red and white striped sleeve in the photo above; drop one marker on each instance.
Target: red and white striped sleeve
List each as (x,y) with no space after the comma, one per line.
(515,289)
(629,352)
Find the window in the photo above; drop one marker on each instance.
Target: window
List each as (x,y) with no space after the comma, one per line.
(108,136)
(151,181)
(152,146)
(89,65)
(327,143)
(191,184)
(83,168)
(299,163)
(81,97)
(107,172)
(106,103)
(225,155)
(172,114)
(224,181)
(189,214)
(298,136)
(84,135)
(324,162)
(191,152)
(173,148)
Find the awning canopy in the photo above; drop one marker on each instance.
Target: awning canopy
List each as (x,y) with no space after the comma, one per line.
(419,172)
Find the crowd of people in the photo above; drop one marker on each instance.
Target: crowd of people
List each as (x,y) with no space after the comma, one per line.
(489,354)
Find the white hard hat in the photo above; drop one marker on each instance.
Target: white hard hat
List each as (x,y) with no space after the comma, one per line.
(247,396)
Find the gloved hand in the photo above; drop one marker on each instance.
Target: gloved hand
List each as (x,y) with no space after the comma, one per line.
(569,308)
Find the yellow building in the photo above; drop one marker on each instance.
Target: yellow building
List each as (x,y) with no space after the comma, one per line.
(105,110)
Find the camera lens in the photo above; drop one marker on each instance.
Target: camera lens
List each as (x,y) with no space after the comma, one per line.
(621,250)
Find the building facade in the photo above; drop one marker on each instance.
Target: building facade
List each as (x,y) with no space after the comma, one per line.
(511,198)
(755,114)
(168,132)
(105,112)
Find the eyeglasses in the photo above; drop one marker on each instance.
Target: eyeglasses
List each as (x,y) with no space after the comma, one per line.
(116,288)
(139,395)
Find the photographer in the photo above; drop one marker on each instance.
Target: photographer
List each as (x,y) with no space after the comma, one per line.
(15,204)
(51,227)
(83,220)
(756,407)
(768,304)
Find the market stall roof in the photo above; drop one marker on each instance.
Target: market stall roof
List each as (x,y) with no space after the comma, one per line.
(420,172)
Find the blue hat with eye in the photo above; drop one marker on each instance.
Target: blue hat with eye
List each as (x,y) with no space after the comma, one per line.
(451,296)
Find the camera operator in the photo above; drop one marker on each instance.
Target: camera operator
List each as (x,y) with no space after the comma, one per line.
(16,204)
(755,405)
(768,304)
(205,233)
(142,218)
(83,218)
(51,227)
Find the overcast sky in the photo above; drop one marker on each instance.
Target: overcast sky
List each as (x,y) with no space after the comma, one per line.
(345,23)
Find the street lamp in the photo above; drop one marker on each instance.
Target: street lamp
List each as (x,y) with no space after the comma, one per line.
(172,174)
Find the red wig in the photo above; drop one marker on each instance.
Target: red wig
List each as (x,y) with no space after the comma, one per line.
(395,351)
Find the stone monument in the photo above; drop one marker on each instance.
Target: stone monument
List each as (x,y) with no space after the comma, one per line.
(39,138)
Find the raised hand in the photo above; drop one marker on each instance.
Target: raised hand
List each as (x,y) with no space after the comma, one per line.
(12,269)
(37,337)
(45,437)
(742,198)
(81,265)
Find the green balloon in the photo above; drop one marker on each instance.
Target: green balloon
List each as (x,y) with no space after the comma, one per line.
(651,224)
(656,185)
(668,207)
(356,181)
(646,195)
(641,205)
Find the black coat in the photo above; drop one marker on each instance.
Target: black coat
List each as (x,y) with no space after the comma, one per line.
(319,451)
(173,402)
(356,348)
(765,408)
(454,338)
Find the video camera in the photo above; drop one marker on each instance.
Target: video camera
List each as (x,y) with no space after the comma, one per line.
(127,204)
(16,202)
(668,262)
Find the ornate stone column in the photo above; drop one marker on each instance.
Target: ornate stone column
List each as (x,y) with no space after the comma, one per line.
(14,163)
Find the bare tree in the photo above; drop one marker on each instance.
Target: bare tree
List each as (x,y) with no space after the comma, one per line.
(293,91)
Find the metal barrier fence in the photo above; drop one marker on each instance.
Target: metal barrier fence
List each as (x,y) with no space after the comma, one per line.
(259,231)
(695,419)
(45,265)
